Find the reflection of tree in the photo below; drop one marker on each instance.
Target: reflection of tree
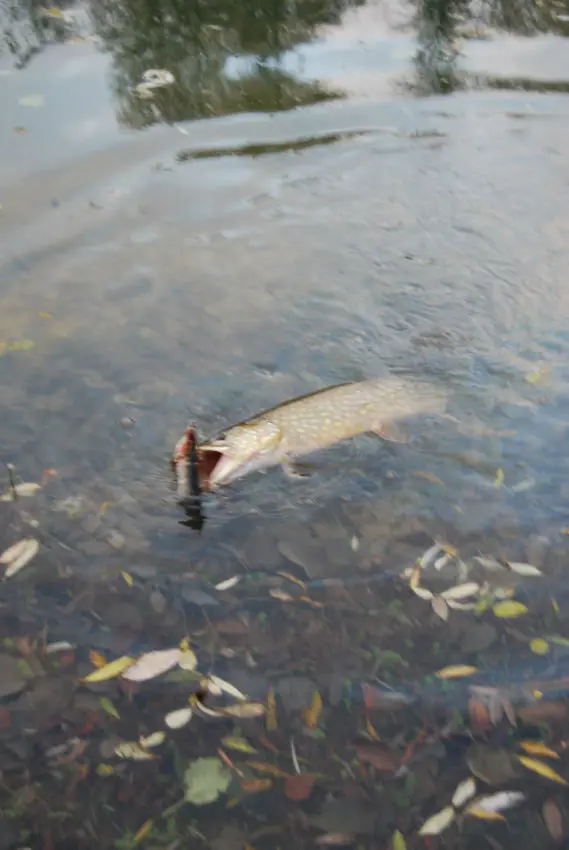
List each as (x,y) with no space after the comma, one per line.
(440,23)
(194,39)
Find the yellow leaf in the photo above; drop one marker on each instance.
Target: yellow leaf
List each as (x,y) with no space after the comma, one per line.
(144,830)
(264,767)
(539,646)
(482,815)
(543,769)
(499,480)
(188,660)
(371,731)
(271,721)
(509,609)
(539,375)
(128,578)
(311,715)
(291,577)
(536,748)
(45,315)
(398,841)
(107,705)
(456,671)
(105,769)
(110,671)
(97,659)
(235,742)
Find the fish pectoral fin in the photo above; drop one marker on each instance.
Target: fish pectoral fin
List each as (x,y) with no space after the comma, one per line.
(297,470)
(391,432)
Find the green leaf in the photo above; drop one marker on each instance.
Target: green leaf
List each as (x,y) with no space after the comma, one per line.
(107,706)
(398,842)
(509,609)
(205,780)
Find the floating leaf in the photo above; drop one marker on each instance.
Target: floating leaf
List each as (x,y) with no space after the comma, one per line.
(543,769)
(398,841)
(311,715)
(133,751)
(299,786)
(152,664)
(438,823)
(553,819)
(144,830)
(539,375)
(152,740)
(464,791)
(228,583)
(26,551)
(215,685)
(107,706)
(496,802)
(236,742)
(509,609)
(178,718)
(12,552)
(539,646)
(523,569)
(111,670)
(271,721)
(440,607)
(536,748)
(205,779)
(456,671)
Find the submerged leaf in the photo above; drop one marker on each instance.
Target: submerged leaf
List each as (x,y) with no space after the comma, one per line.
(461,591)
(133,751)
(271,720)
(215,685)
(228,583)
(440,607)
(543,769)
(27,550)
(539,646)
(509,609)
(236,742)
(144,830)
(423,593)
(188,659)
(536,748)
(24,488)
(111,670)
(463,792)
(398,841)
(553,819)
(299,786)
(481,814)
(152,664)
(178,718)
(523,569)
(496,802)
(265,767)
(499,480)
(107,706)
(243,709)
(153,740)
(438,823)
(456,671)
(311,715)
(205,779)
(255,786)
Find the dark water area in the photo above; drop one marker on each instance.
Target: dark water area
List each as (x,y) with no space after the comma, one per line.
(323,192)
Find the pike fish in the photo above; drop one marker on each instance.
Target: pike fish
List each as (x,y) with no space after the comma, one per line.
(312,422)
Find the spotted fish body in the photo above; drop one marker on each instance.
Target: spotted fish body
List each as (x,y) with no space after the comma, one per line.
(313,422)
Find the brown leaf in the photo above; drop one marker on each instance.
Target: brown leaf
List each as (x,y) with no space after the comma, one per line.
(264,767)
(479,716)
(299,786)
(232,627)
(335,839)
(253,786)
(553,819)
(380,756)
(374,698)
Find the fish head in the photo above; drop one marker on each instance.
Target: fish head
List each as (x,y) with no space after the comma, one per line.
(245,448)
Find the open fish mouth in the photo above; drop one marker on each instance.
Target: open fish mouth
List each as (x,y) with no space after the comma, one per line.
(208,460)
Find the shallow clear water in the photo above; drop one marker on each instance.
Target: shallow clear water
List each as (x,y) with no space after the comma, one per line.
(141,288)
